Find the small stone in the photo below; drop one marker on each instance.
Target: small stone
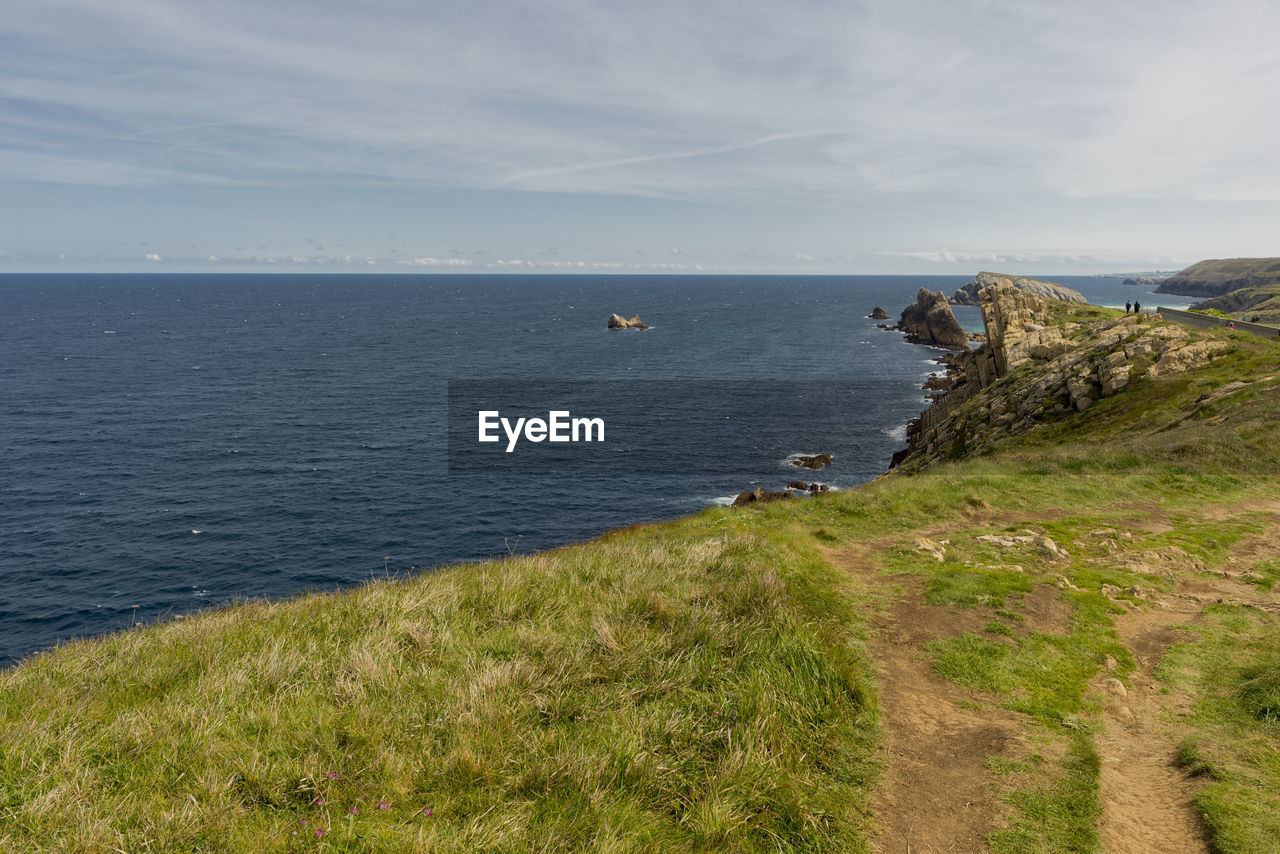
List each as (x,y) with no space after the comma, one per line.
(930,548)
(1125,713)
(1109,662)
(1116,687)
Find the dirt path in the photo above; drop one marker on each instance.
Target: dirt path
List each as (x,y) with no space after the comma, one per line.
(1147,800)
(935,796)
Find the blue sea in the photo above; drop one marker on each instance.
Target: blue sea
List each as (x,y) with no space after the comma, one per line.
(171,443)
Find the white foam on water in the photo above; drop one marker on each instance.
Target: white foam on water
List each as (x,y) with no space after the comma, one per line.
(897,434)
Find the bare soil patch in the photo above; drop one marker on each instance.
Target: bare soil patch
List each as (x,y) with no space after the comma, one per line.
(935,795)
(1147,800)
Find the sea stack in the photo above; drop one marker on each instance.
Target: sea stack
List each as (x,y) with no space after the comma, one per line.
(929,321)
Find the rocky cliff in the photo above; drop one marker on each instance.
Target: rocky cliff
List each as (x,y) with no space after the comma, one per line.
(1261,303)
(1032,370)
(968,295)
(1220,276)
(929,321)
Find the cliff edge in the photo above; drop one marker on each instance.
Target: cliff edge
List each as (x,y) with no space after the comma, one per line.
(1072,365)
(968,295)
(1219,276)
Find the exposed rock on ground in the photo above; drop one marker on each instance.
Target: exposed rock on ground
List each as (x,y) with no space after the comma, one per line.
(617,321)
(1081,364)
(929,321)
(968,295)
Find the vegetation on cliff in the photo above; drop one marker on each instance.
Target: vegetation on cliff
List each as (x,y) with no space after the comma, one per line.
(1219,276)
(1008,641)
(1260,304)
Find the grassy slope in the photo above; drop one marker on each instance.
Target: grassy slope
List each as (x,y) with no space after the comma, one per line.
(698,685)
(1218,276)
(1261,302)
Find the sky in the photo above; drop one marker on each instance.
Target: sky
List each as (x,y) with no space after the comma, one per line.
(718,136)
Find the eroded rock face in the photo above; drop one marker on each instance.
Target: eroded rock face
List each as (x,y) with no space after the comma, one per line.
(878,313)
(968,295)
(1012,318)
(929,321)
(617,321)
(1075,367)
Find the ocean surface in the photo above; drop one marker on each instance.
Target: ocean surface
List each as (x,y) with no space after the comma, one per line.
(170,443)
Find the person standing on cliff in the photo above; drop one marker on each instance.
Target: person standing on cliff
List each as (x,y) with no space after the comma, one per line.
(1128,307)
(1137,306)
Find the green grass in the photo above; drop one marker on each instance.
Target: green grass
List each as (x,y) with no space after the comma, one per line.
(1233,671)
(699,685)
(662,689)
(1268,572)
(1059,814)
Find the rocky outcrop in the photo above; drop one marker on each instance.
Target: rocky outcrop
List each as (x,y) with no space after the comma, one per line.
(1145,281)
(1245,302)
(968,295)
(1072,367)
(929,321)
(1220,276)
(617,321)
(812,488)
(878,313)
(815,462)
(759,495)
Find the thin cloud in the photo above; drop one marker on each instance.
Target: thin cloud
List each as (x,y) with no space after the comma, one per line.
(845,128)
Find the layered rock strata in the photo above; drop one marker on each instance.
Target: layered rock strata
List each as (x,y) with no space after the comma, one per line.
(968,295)
(1044,372)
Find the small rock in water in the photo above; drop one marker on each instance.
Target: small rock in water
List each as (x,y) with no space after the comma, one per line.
(617,321)
(814,462)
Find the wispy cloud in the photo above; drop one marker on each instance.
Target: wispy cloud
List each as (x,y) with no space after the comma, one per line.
(920,122)
(679,99)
